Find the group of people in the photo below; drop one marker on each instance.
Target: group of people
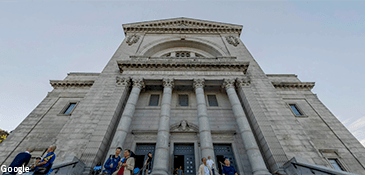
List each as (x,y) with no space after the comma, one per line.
(207,167)
(178,171)
(41,166)
(115,165)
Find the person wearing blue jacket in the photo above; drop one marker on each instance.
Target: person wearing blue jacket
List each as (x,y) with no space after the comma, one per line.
(228,169)
(111,164)
(44,167)
(21,159)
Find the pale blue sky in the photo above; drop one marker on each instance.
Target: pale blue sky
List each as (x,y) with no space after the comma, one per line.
(320,41)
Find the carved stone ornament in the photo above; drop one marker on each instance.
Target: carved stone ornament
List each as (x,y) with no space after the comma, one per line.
(132,39)
(228,83)
(198,83)
(168,82)
(184,126)
(232,40)
(123,81)
(242,82)
(138,82)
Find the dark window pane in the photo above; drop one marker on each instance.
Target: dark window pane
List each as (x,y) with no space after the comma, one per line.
(212,100)
(295,109)
(154,100)
(69,108)
(335,164)
(183,100)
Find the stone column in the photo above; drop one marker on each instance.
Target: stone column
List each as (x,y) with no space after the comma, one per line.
(161,160)
(257,162)
(206,143)
(126,120)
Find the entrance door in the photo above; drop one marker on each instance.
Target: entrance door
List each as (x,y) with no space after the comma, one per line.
(221,152)
(141,156)
(184,156)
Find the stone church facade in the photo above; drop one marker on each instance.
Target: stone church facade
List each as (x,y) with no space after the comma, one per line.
(184,89)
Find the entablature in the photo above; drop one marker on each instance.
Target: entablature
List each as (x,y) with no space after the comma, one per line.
(298,85)
(71,83)
(147,64)
(202,59)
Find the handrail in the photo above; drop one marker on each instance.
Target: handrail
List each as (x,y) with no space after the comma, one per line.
(59,166)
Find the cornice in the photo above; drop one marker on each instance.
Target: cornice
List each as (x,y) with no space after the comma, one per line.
(71,83)
(181,25)
(281,75)
(182,65)
(220,58)
(299,85)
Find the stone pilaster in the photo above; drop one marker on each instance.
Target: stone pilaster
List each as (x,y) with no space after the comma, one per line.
(126,119)
(161,160)
(206,143)
(261,126)
(257,162)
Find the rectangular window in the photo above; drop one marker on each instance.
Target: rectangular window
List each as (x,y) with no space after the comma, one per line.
(183,100)
(154,100)
(336,164)
(69,109)
(295,109)
(212,100)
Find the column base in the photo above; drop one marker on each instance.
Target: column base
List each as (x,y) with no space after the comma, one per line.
(159,172)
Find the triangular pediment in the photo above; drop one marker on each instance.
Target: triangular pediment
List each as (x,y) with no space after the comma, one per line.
(182,25)
(184,126)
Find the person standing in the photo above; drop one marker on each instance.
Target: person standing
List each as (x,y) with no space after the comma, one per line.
(126,164)
(46,164)
(111,164)
(148,163)
(180,171)
(204,169)
(228,169)
(210,162)
(21,159)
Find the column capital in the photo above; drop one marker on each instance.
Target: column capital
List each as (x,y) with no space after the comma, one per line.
(242,82)
(138,82)
(228,83)
(168,82)
(198,83)
(123,81)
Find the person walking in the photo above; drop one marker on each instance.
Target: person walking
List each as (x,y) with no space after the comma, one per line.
(148,163)
(126,164)
(21,159)
(210,162)
(204,169)
(111,164)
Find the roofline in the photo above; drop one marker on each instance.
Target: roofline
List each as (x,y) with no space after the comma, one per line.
(135,23)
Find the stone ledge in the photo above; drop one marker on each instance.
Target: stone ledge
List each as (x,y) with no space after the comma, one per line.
(298,85)
(70,83)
